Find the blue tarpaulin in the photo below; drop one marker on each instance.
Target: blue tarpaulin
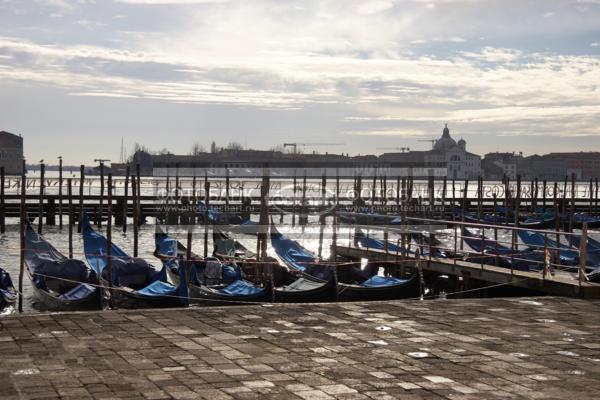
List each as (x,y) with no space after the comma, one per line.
(381,281)
(241,288)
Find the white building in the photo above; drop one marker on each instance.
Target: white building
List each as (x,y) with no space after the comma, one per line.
(460,164)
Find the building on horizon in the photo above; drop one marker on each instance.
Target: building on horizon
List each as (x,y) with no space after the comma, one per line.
(11,153)
(446,153)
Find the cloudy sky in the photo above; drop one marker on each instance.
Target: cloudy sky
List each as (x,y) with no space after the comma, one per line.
(77,76)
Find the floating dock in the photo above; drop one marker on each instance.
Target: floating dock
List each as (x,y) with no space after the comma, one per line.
(519,348)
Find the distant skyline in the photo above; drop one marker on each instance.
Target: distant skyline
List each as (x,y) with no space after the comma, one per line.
(77,76)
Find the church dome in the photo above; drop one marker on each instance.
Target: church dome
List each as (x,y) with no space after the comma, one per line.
(445,142)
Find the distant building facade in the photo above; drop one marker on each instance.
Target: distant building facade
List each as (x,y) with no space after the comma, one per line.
(496,166)
(11,153)
(447,155)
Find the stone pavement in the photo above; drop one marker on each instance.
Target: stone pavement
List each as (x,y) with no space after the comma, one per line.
(534,348)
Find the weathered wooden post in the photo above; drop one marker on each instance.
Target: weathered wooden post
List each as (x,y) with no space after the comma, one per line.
(226,188)
(294,200)
(591,196)
(109,242)
(70,195)
(81,183)
(138,182)
(22,223)
(101,206)
(544,185)
(264,214)
(573,196)
(125,199)
(322,213)
(60,193)
(303,217)
(583,253)
(206,205)
(2,203)
(41,203)
(136,224)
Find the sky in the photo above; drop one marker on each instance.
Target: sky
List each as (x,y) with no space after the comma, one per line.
(347,76)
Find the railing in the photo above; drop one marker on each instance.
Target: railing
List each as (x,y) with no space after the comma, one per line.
(545,259)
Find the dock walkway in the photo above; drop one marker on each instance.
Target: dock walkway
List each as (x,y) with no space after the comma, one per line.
(562,284)
(519,348)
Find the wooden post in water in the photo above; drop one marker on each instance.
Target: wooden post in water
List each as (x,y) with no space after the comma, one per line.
(322,213)
(303,218)
(226,188)
(573,195)
(138,182)
(109,242)
(22,222)
(591,196)
(101,207)
(206,205)
(544,185)
(194,202)
(462,213)
(125,194)
(515,223)
(444,188)
(136,223)
(374,190)
(398,190)
(60,193)
(41,202)
(582,253)
(294,201)
(81,183)
(264,214)
(2,202)
(337,187)
(70,195)
(596,195)
(535,195)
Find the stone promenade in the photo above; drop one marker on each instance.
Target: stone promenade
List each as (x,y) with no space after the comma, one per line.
(540,348)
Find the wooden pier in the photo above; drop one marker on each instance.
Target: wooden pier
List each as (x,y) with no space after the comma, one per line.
(561,284)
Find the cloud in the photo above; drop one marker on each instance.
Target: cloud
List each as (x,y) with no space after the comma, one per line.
(169,2)
(388,132)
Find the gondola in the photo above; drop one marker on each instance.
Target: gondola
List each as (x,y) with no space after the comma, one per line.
(60,283)
(537,241)
(592,255)
(362,240)
(8,293)
(136,283)
(232,288)
(354,283)
(491,252)
(227,248)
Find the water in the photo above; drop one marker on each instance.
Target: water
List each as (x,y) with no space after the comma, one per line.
(10,251)
(307,237)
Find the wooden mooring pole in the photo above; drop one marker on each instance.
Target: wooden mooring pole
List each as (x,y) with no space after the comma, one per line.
(70,196)
(109,243)
(60,192)
(23,221)
(81,183)
(41,202)
(2,202)
(136,216)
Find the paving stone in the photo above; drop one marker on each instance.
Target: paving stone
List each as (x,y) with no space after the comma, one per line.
(465,349)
